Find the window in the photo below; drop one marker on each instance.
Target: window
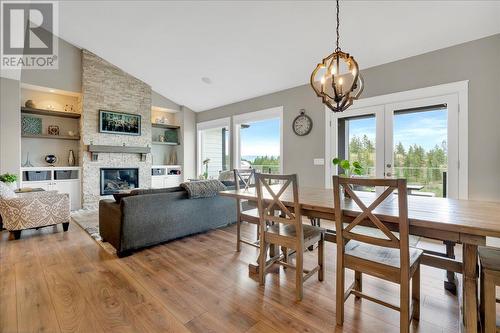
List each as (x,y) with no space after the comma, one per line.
(419,135)
(213,148)
(258,140)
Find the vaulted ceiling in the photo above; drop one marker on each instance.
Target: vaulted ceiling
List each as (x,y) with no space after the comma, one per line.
(245,49)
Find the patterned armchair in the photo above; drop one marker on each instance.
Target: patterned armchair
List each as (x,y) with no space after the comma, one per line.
(34,210)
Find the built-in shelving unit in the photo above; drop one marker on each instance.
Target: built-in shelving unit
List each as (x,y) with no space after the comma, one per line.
(61,179)
(48,136)
(165,137)
(50,113)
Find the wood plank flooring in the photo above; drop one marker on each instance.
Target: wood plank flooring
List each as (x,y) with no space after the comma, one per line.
(52,281)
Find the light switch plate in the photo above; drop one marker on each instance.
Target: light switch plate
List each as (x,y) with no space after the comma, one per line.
(319,161)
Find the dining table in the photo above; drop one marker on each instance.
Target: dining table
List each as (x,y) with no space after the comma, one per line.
(465,222)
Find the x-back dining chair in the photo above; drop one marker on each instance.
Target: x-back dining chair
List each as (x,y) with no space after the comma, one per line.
(244,179)
(285,230)
(389,258)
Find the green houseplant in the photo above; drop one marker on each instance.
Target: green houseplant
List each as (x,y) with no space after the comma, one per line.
(10,179)
(350,169)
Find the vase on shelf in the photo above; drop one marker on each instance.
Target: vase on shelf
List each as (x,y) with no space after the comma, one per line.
(71,158)
(27,164)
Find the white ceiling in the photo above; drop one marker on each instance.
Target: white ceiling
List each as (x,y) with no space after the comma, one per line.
(252,48)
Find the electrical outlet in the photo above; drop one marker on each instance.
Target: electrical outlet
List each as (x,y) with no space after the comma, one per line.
(319,161)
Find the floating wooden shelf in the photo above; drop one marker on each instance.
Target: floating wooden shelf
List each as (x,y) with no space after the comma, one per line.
(166,143)
(165,126)
(47,136)
(51,113)
(96,149)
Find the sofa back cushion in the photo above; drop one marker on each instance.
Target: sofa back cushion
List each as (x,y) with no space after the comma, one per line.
(119,196)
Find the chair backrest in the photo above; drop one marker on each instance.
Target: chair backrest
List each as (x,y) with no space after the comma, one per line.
(346,233)
(284,189)
(244,177)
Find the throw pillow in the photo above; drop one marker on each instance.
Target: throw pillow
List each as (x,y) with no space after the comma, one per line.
(6,192)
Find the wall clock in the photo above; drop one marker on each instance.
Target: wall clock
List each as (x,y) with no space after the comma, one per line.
(302,124)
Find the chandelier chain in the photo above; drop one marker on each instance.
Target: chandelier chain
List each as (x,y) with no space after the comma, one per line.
(338,25)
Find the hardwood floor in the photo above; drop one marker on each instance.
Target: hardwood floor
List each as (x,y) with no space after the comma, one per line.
(52,281)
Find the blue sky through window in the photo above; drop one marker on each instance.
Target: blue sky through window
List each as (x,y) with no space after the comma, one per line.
(426,129)
(260,139)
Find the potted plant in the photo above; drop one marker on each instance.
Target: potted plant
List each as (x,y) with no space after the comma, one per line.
(10,179)
(350,169)
(205,163)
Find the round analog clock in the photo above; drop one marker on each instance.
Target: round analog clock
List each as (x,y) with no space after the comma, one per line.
(302,124)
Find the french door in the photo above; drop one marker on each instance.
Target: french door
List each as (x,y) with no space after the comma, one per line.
(415,139)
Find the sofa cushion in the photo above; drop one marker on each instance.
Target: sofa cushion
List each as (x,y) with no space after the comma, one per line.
(203,188)
(6,192)
(119,196)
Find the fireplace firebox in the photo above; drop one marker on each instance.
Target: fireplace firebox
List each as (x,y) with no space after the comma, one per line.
(114,180)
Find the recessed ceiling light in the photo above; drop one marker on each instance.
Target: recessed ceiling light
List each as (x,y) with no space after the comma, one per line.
(206,80)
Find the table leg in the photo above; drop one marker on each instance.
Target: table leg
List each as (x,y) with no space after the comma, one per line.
(450,283)
(469,293)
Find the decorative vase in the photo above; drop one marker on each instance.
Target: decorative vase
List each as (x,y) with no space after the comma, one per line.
(51,159)
(27,164)
(71,158)
(172,158)
(30,104)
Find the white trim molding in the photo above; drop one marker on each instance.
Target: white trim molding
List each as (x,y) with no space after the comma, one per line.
(454,94)
(222,122)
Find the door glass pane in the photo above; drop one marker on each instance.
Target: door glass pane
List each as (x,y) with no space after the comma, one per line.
(357,144)
(260,145)
(420,150)
(214,151)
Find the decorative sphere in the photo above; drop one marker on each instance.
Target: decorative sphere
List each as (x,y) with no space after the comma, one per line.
(51,159)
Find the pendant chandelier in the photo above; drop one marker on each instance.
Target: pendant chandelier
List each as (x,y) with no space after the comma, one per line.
(337,79)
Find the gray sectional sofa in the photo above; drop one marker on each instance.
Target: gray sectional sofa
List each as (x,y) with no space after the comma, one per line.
(149,217)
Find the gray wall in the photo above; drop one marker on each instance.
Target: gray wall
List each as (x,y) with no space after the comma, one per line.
(477,61)
(163,102)
(67,77)
(10,126)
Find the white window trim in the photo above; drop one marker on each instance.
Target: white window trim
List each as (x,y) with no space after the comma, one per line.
(275,112)
(210,124)
(460,88)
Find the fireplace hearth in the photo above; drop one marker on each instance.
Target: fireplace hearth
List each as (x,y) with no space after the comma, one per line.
(114,180)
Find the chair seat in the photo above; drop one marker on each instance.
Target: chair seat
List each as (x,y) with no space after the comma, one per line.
(251,216)
(489,258)
(311,233)
(380,255)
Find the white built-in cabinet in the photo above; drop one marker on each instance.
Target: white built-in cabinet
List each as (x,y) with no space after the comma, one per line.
(162,177)
(61,179)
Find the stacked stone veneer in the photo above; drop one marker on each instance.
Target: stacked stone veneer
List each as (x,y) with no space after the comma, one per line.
(107,87)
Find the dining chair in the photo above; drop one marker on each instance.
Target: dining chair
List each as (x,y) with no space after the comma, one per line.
(388,257)
(489,259)
(244,213)
(286,229)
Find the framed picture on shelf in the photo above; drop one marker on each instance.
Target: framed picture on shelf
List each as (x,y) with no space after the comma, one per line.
(119,123)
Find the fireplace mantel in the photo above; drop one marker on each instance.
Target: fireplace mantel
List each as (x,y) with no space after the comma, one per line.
(96,149)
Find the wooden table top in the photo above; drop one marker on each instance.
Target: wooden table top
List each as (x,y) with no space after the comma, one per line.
(464,216)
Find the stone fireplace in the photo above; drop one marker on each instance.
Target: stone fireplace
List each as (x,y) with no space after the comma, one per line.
(107,87)
(114,180)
